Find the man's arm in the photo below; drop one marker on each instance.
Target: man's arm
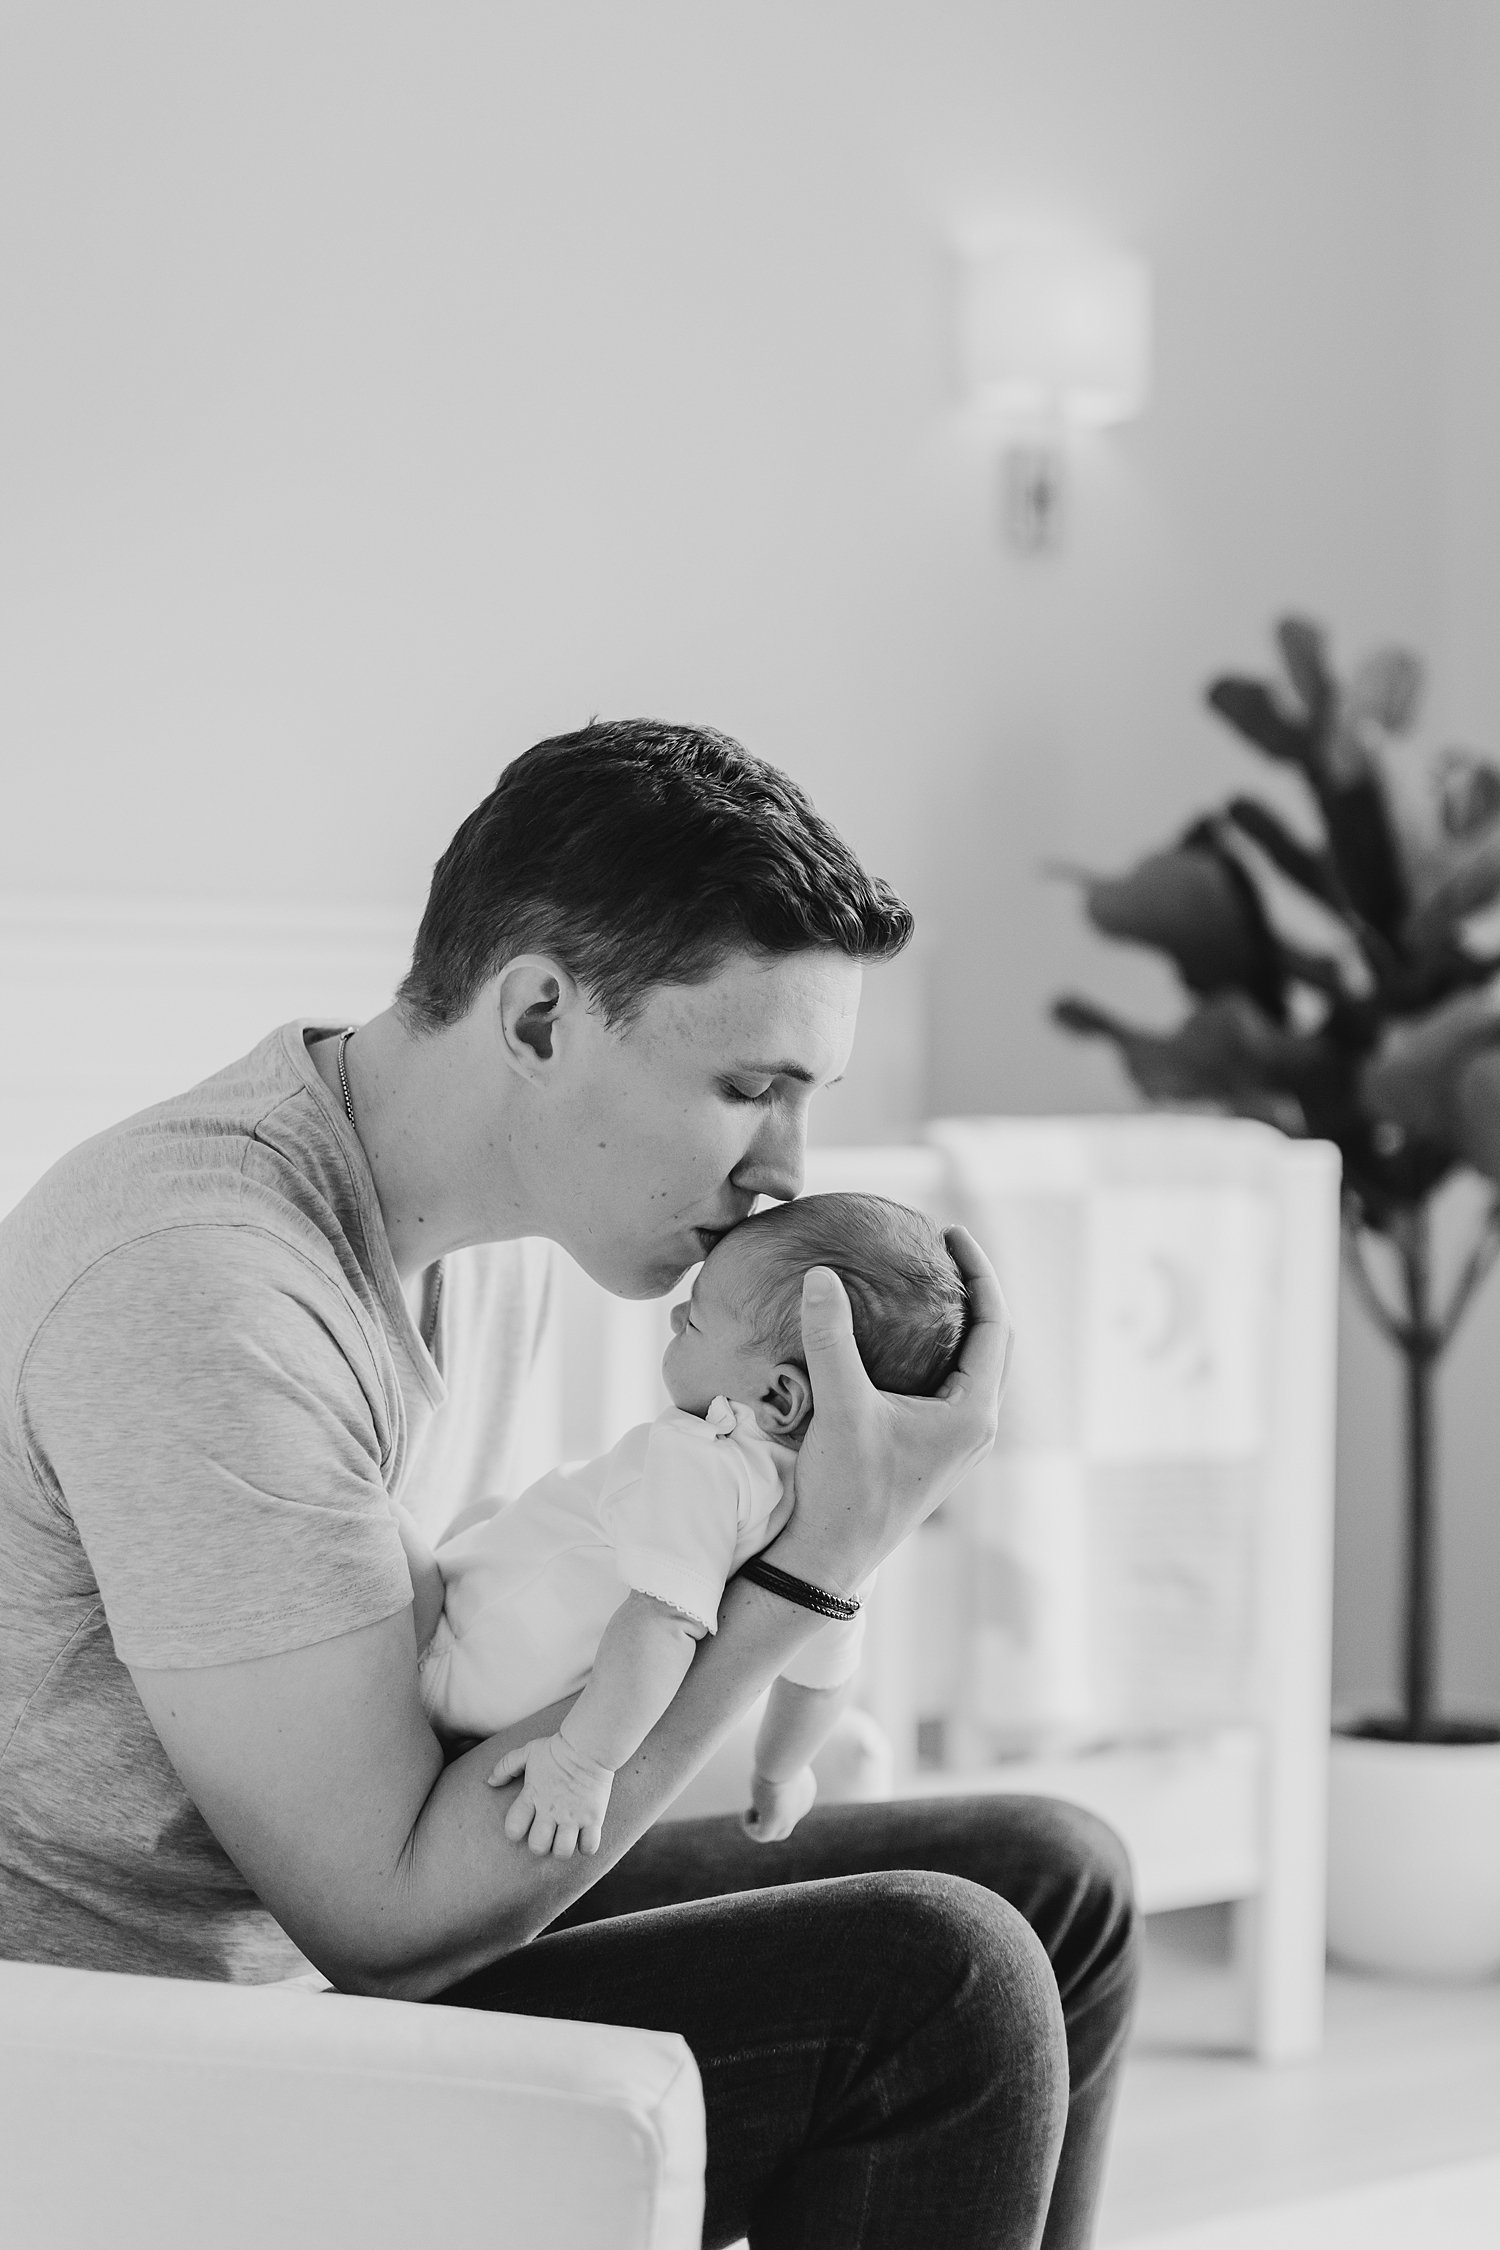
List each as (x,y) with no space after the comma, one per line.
(426,1578)
(320,1777)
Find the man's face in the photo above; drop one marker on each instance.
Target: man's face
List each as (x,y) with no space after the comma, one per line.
(662,1134)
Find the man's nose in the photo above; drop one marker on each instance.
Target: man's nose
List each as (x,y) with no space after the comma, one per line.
(774,1162)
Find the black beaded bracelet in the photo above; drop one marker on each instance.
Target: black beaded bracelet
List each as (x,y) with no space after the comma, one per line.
(763,1573)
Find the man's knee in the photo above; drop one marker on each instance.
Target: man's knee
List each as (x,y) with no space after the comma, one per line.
(975,1986)
(1090,1921)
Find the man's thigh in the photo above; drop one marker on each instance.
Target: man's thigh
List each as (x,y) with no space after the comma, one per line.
(887,2043)
(1031,1851)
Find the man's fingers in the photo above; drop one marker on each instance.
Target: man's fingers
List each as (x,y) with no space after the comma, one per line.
(826,1318)
(986,1346)
(828,1345)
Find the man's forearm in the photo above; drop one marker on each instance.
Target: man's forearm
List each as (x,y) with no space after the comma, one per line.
(463,1894)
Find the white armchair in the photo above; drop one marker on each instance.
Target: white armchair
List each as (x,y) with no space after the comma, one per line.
(155,2114)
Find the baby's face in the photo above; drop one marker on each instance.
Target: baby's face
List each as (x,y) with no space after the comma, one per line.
(713,1350)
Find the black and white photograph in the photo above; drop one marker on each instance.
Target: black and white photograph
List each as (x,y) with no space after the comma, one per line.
(750,761)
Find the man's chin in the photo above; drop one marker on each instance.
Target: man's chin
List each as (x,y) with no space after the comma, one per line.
(639,1285)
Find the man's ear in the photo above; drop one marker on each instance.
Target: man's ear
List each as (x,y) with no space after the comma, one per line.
(786,1401)
(533,996)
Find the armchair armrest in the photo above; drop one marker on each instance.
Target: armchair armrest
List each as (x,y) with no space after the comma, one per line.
(151,2111)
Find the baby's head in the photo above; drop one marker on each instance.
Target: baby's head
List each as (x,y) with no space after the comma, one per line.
(740,1333)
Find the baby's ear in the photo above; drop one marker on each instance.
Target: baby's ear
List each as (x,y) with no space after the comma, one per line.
(786,1401)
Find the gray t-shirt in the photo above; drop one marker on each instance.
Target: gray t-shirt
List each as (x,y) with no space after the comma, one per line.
(211,1390)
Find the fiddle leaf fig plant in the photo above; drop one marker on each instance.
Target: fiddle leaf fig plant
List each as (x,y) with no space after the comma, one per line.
(1377,1029)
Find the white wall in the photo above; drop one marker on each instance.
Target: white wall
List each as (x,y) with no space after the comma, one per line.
(386,386)
(1459,450)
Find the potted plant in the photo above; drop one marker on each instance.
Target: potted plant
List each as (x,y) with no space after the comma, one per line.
(1378,1028)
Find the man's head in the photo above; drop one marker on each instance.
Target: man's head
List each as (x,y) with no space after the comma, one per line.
(740,1332)
(638,854)
(658,941)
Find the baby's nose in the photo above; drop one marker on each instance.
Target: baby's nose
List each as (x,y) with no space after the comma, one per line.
(679,1319)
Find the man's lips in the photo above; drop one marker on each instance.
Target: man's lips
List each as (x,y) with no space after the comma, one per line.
(709,1235)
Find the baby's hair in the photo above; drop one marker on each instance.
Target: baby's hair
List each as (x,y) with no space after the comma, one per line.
(906,1294)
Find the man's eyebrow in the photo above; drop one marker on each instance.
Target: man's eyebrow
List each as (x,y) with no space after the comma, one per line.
(803,1076)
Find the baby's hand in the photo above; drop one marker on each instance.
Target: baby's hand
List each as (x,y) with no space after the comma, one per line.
(563,1802)
(777,1806)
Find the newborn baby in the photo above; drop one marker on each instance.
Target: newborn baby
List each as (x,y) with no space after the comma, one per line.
(603,1577)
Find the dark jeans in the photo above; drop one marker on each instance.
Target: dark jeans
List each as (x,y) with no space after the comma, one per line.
(909,2018)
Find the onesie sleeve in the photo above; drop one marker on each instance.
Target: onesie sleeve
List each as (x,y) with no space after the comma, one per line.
(675,1527)
(831,1655)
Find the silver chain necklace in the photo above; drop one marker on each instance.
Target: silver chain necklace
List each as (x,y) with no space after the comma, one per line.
(344,1039)
(429,1330)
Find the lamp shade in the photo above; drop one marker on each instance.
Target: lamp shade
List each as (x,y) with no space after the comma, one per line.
(1055,331)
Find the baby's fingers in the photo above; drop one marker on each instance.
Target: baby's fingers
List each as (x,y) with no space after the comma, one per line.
(510,1765)
(589,1839)
(521,1816)
(543,1829)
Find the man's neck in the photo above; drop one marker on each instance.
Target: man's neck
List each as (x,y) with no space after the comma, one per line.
(414,1113)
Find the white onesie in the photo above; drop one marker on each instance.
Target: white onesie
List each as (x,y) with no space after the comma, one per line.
(673,1510)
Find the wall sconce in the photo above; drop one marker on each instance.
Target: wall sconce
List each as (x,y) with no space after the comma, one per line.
(1052,334)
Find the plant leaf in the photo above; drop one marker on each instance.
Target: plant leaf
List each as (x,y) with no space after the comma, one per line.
(1304,652)
(1310,869)
(1362,840)
(1468,793)
(1195,903)
(1412,1077)
(1470,887)
(1226,1051)
(1250,707)
(1476,1112)
(1386,687)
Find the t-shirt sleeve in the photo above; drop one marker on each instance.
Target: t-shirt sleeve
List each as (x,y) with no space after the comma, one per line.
(206,1406)
(830,1656)
(675,1526)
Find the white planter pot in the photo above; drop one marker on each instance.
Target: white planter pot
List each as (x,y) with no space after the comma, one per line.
(1414,1857)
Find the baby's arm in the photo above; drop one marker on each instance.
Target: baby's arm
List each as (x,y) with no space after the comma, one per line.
(644,1653)
(782,1788)
(426,1579)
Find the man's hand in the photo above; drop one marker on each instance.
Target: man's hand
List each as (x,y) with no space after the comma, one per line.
(563,1801)
(776,1806)
(873,1466)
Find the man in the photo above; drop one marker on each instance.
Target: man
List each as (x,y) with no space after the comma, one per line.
(234,1328)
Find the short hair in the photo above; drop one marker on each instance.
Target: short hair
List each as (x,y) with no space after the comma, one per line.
(637,854)
(907,1296)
